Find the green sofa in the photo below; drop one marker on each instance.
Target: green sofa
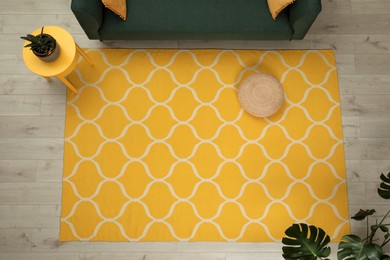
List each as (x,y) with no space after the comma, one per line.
(196,20)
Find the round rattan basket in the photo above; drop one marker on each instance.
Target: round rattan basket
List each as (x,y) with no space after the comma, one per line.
(261,95)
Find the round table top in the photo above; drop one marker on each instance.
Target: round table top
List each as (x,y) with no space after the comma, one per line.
(261,95)
(65,62)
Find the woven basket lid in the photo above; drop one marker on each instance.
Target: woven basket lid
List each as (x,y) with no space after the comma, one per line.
(261,95)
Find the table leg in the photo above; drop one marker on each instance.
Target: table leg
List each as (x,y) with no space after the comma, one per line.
(47,78)
(85,56)
(67,83)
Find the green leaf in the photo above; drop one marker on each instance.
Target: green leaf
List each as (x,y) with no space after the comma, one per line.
(351,247)
(384,187)
(32,39)
(305,242)
(41,43)
(384,228)
(373,251)
(362,214)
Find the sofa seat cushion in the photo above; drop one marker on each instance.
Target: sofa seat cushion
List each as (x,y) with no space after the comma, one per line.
(196,19)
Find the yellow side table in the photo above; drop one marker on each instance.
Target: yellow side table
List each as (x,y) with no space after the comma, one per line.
(64,64)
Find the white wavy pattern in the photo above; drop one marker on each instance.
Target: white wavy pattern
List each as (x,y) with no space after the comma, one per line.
(210,141)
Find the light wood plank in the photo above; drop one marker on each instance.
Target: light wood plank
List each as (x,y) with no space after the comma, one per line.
(83,41)
(366,170)
(13,64)
(369,43)
(361,232)
(24,24)
(29,85)
(372,43)
(15,240)
(261,45)
(20,105)
(164,44)
(336,6)
(372,63)
(338,43)
(357,192)
(46,240)
(365,105)
(254,256)
(30,216)
(370,6)
(345,64)
(31,148)
(228,247)
(35,7)
(17,170)
(367,148)
(347,24)
(38,256)
(30,193)
(364,84)
(351,126)
(1,23)
(271,256)
(153,256)
(375,126)
(49,170)
(32,126)
(10,42)
(53,105)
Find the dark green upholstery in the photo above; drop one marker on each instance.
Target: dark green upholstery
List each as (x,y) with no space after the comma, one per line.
(89,13)
(195,19)
(302,15)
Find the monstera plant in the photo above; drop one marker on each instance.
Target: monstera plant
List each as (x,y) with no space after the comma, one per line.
(306,242)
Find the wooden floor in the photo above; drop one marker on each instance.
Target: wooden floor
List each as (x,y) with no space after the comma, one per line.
(32,127)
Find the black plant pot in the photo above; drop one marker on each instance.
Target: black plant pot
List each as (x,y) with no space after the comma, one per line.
(52,54)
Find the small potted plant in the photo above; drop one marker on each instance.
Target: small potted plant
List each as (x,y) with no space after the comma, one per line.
(43,46)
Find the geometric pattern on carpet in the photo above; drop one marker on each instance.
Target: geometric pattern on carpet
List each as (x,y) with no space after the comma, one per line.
(158,148)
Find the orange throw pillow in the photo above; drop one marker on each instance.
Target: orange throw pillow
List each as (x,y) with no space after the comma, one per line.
(117,6)
(276,6)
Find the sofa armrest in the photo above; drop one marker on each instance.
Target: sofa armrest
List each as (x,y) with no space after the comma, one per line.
(89,14)
(302,14)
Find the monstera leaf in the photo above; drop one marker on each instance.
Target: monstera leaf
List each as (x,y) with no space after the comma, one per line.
(384,187)
(352,248)
(305,242)
(362,214)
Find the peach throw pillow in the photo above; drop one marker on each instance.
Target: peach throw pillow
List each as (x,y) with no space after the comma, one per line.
(276,6)
(117,6)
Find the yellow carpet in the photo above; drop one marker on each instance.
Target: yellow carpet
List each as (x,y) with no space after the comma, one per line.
(157,148)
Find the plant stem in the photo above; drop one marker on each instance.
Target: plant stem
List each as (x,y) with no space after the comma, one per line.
(376,228)
(385,242)
(388,212)
(368,236)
